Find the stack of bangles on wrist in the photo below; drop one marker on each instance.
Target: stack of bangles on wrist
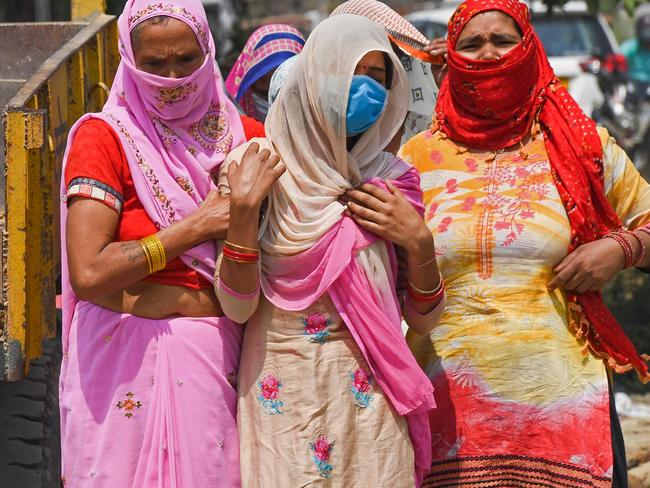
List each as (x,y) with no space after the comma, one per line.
(240,254)
(154,252)
(424,296)
(632,258)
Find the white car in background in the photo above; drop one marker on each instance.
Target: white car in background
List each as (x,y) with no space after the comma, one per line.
(572,38)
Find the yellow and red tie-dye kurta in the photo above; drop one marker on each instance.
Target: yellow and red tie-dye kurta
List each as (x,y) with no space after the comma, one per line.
(518,401)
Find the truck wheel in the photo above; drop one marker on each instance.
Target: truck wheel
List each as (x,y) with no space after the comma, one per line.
(30,454)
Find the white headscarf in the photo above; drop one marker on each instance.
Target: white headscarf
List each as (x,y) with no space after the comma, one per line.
(306,125)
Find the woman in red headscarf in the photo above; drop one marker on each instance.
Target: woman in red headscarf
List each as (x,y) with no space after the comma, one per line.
(530,204)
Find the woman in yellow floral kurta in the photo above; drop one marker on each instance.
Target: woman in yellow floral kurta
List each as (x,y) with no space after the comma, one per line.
(510,378)
(521,402)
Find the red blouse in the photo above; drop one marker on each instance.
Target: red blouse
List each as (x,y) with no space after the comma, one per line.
(252,127)
(97,168)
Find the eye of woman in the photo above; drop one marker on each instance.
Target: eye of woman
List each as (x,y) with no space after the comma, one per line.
(377,74)
(469,44)
(188,58)
(154,62)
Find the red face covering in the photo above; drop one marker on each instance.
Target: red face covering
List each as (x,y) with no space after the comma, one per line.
(491,105)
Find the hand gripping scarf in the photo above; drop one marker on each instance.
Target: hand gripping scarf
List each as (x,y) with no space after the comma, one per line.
(491,105)
(266,49)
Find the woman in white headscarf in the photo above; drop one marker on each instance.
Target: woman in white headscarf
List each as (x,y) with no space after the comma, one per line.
(327,386)
(421,60)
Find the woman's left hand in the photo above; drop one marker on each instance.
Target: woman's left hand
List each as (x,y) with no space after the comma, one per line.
(589,267)
(438,50)
(389,215)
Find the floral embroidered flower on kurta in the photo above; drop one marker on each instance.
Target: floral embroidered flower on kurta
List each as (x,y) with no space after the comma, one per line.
(129,405)
(269,391)
(321,450)
(361,381)
(316,325)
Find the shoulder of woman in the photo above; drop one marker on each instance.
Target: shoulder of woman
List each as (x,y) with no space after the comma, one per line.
(603,133)
(96,151)
(425,140)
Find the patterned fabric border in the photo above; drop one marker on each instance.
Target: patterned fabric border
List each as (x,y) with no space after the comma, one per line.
(156,188)
(162,9)
(511,470)
(97,190)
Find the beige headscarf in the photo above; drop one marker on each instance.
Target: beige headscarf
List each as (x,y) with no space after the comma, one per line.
(306,126)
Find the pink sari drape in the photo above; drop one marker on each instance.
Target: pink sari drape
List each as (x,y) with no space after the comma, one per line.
(151,403)
(330,266)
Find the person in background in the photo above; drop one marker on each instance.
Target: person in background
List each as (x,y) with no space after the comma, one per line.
(147,387)
(637,49)
(266,49)
(329,393)
(279,78)
(533,209)
(410,45)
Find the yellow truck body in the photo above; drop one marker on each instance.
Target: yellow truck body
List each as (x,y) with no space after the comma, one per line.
(51,74)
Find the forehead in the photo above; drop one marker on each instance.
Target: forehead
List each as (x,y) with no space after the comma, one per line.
(490,21)
(373,58)
(171,31)
(470,8)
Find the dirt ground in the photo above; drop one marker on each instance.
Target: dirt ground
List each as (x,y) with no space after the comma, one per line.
(636,432)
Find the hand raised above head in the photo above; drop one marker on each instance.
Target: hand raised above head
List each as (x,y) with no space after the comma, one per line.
(438,50)
(252,179)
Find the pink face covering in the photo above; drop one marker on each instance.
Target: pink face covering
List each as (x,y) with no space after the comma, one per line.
(174,98)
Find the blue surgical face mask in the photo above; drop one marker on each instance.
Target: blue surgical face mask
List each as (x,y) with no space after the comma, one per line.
(366,103)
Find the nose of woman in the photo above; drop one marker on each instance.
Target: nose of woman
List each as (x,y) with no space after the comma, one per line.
(489,52)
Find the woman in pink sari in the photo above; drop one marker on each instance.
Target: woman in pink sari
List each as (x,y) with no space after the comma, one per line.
(147,391)
(328,390)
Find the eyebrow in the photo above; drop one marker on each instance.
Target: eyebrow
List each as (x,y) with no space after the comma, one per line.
(478,37)
(469,40)
(377,68)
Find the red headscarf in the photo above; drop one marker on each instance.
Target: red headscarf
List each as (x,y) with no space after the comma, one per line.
(491,105)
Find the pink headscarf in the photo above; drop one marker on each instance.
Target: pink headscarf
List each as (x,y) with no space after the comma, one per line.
(175,132)
(266,49)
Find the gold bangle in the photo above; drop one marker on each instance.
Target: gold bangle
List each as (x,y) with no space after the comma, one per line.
(154,252)
(235,247)
(147,255)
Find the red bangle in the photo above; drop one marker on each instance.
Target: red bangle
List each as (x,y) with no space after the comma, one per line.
(426,298)
(625,245)
(642,245)
(240,257)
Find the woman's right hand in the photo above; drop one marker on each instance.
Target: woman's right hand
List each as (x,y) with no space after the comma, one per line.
(213,216)
(252,179)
